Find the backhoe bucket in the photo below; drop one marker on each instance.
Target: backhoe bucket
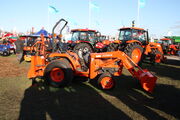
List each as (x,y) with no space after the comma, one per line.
(147,80)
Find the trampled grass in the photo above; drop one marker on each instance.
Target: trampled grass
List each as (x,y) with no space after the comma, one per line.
(83,101)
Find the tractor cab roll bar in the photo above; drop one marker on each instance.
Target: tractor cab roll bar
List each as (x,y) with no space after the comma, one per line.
(60,33)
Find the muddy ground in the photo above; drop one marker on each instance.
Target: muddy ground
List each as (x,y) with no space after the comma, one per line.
(83,101)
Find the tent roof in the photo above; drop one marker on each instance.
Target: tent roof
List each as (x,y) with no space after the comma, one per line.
(42,31)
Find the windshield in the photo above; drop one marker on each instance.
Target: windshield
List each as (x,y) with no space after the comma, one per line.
(75,36)
(85,36)
(125,35)
(132,34)
(165,42)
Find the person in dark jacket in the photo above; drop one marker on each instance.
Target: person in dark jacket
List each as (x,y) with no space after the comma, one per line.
(19,43)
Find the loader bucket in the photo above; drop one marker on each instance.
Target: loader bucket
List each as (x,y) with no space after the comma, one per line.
(147,80)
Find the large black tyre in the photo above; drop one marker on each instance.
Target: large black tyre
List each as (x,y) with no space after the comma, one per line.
(112,47)
(83,50)
(134,51)
(58,73)
(83,46)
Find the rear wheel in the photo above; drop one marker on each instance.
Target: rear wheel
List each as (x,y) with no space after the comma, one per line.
(83,50)
(84,47)
(134,51)
(58,73)
(112,47)
(106,82)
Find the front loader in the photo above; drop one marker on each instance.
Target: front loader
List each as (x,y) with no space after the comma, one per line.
(59,68)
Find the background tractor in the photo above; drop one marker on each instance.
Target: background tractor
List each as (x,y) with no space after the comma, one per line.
(168,46)
(86,39)
(135,43)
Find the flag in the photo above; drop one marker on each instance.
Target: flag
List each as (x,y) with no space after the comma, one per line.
(52,9)
(141,3)
(93,6)
(93,14)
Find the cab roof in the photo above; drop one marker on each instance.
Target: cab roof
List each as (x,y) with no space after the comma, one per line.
(165,39)
(136,28)
(83,30)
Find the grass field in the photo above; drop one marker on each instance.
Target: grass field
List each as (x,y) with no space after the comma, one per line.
(83,101)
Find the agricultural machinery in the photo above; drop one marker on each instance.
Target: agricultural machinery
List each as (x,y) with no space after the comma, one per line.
(29,41)
(89,39)
(6,48)
(59,68)
(135,43)
(168,46)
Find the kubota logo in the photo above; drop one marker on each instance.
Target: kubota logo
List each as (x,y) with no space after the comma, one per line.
(105,55)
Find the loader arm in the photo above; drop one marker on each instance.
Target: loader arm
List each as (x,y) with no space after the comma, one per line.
(147,79)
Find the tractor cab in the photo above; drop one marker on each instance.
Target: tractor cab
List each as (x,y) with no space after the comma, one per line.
(133,33)
(83,35)
(165,41)
(85,38)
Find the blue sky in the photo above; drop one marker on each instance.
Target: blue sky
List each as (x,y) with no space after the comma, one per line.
(158,16)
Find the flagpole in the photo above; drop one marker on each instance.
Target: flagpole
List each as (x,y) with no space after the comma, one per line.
(89,14)
(138,15)
(48,18)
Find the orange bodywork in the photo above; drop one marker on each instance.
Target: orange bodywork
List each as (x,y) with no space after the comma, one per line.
(106,42)
(131,41)
(156,46)
(151,46)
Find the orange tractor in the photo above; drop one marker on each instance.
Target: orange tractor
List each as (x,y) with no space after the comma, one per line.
(59,68)
(168,46)
(135,43)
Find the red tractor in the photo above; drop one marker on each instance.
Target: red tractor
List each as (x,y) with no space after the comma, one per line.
(135,43)
(86,40)
(168,46)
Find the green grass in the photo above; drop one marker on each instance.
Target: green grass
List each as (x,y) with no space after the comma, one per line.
(82,100)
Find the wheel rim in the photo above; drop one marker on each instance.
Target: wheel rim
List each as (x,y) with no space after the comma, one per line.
(57,75)
(107,83)
(136,55)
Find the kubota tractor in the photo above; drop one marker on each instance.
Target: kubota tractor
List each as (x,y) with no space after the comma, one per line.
(168,46)
(135,43)
(59,68)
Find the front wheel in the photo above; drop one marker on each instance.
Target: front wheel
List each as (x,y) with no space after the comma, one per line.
(106,82)
(58,73)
